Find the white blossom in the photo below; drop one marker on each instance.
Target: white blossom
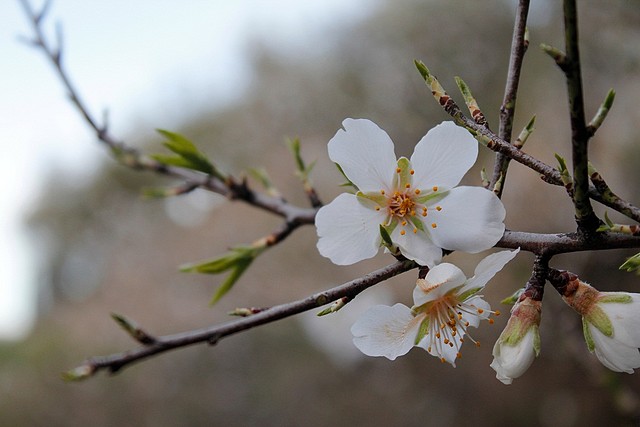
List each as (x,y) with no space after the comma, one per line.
(519,342)
(611,324)
(446,305)
(415,199)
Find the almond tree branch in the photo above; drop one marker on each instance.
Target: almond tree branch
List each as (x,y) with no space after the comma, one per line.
(132,158)
(211,335)
(585,217)
(518,48)
(494,142)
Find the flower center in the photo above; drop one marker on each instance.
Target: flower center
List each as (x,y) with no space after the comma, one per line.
(401,204)
(448,324)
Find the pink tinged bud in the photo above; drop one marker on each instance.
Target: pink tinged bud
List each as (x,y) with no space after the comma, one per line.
(519,342)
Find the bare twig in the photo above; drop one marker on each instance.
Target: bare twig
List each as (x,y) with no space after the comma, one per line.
(497,144)
(518,48)
(211,335)
(134,159)
(585,217)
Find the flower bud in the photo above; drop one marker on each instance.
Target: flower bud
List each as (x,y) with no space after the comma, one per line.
(519,342)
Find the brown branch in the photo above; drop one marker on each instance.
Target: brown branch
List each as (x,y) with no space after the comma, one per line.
(518,48)
(585,217)
(553,244)
(133,159)
(211,335)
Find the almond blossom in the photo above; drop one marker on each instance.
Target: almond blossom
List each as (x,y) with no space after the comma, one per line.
(415,199)
(446,305)
(610,322)
(519,343)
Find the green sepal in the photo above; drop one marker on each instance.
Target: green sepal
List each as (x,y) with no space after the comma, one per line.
(598,318)
(513,298)
(417,223)
(423,331)
(404,177)
(591,345)
(469,293)
(617,298)
(379,199)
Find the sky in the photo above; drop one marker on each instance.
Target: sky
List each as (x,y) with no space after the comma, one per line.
(149,64)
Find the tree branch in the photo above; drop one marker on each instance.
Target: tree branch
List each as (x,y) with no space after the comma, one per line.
(211,335)
(507,110)
(133,159)
(585,217)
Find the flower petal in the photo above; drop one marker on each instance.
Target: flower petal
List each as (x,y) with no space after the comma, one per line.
(613,354)
(478,308)
(437,347)
(348,231)
(439,280)
(470,220)
(386,331)
(365,153)
(489,267)
(443,156)
(417,246)
(625,318)
(511,362)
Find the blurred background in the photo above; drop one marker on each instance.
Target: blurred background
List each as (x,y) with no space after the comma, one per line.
(237,78)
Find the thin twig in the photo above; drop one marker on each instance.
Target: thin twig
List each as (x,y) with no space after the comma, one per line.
(135,160)
(211,335)
(507,110)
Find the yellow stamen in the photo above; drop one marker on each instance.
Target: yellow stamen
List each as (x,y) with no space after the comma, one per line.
(415,231)
(403,223)
(434,225)
(412,171)
(382,192)
(402,232)
(497,313)
(438,208)
(377,208)
(398,170)
(407,185)
(417,191)
(435,188)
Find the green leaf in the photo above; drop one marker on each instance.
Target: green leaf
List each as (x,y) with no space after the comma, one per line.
(631,264)
(231,279)
(236,261)
(188,154)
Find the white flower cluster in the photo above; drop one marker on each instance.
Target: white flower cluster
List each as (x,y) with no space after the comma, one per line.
(416,204)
